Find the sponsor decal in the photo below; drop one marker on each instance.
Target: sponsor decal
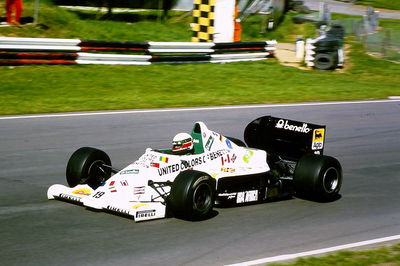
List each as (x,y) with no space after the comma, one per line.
(168,169)
(318,134)
(112,187)
(247,196)
(227,170)
(124,183)
(228,143)
(189,164)
(284,124)
(247,156)
(209,143)
(192,163)
(221,138)
(163,159)
(184,165)
(145,160)
(147,157)
(141,164)
(156,165)
(318,139)
(136,206)
(81,191)
(146,214)
(216,154)
(139,190)
(228,195)
(130,172)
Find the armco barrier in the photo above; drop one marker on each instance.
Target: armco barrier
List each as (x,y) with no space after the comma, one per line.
(20,51)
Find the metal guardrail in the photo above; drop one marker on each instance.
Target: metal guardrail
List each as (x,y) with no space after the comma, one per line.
(19,51)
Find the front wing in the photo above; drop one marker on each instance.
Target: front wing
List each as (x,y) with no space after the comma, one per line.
(86,196)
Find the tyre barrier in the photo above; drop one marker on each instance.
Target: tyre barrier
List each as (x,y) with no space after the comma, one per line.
(326,51)
(21,51)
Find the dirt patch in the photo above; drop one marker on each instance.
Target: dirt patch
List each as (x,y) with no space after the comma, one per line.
(286,55)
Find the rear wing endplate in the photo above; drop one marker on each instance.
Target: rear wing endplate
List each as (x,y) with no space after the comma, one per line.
(285,137)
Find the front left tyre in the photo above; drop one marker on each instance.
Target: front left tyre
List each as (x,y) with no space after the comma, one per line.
(88,166)
(192,195)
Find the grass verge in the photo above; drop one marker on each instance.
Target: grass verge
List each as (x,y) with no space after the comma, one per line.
(387,255)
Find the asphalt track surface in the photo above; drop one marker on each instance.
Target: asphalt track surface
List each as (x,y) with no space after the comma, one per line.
(34,151)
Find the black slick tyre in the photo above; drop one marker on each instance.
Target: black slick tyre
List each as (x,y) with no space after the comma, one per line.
(318,177)
(192,195)
(86,166)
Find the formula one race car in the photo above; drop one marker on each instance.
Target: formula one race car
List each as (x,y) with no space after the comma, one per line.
(282,158)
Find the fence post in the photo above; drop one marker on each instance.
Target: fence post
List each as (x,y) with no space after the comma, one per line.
(36,12)
(386,41)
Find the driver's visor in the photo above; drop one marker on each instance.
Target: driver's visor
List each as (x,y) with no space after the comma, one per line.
(182,144)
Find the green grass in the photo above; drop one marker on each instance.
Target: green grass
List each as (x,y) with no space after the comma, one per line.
(44,89)
(387,4)
(388,255)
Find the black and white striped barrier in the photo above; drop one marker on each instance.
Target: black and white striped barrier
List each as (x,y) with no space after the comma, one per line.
(74,51)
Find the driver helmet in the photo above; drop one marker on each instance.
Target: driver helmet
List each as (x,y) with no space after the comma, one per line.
(182,142)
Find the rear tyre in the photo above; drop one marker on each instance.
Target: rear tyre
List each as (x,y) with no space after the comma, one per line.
(86,166)
(192,195)
(318,177)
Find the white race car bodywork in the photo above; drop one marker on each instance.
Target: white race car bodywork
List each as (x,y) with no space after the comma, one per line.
(139,190)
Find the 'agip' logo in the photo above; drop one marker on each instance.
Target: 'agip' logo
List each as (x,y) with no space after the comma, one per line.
(318,139)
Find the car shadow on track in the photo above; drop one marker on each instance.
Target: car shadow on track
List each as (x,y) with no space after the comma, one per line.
(337,197)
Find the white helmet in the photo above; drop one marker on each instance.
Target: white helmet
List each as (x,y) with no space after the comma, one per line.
(182,142)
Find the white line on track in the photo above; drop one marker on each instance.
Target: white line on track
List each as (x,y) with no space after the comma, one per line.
(230,107)
(317,251)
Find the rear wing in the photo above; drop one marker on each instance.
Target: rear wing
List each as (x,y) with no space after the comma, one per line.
(284,137)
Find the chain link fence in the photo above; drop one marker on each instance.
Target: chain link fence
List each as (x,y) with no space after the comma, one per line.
(383,43)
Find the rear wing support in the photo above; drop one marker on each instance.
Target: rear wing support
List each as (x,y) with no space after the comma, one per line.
(284,137)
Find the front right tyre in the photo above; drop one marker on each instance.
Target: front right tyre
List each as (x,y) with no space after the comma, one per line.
(192,195)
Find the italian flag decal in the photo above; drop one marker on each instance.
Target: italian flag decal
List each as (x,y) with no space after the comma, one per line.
(112,187)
